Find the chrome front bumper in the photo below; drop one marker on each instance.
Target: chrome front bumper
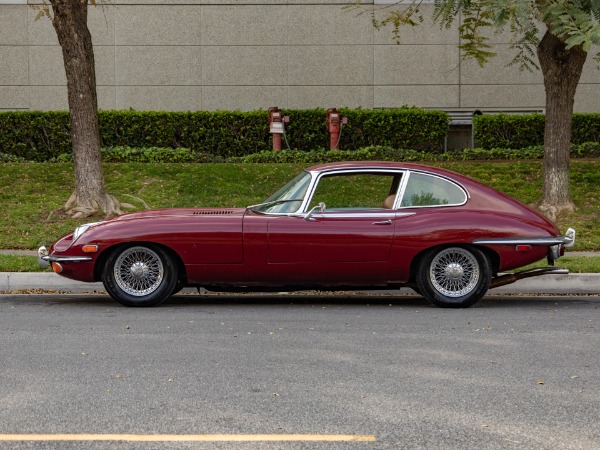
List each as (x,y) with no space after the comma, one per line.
(44,259)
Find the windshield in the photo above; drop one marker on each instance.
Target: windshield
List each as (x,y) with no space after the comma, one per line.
(288,199)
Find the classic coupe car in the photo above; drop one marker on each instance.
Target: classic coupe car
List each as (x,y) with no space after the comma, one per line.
(353,225)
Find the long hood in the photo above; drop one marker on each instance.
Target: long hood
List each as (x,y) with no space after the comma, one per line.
(168,225)
(180,212)
(197,235)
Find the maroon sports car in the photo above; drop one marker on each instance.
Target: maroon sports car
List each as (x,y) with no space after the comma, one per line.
(354,225)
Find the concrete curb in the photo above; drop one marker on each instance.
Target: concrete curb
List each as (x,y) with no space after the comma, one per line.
(549,284)
(573,283)
(20,281)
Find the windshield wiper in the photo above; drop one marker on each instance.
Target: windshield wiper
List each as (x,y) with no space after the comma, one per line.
(274,202)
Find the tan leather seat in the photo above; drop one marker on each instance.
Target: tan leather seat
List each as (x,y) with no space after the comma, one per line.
(388,203)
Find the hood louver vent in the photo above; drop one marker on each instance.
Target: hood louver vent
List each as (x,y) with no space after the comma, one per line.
(217,212)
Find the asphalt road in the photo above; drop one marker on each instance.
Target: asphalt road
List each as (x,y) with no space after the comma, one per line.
(512,372)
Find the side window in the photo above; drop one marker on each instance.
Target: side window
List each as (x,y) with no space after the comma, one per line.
(356,191)
(428,190)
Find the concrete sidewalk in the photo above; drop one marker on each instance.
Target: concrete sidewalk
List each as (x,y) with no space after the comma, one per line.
(547,284)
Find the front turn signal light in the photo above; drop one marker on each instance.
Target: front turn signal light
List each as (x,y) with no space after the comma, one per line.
(56,267)
(89,248)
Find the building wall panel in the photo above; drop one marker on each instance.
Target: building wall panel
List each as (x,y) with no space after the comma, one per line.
(251,25)
(308,97)
(423,96)
(252,54)
(13,65)
(244,66)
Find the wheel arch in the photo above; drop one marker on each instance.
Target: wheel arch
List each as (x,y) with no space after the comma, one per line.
(491,254)
(102,259)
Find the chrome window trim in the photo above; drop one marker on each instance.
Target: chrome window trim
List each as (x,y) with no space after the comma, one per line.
(398,203)
(316,176)
(366,170)
(302,207)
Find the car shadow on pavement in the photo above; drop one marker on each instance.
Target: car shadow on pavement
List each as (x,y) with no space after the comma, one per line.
(302,299)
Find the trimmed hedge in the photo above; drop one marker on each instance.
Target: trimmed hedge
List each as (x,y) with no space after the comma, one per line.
(380,153)
(374,153)
(219,135)
(35,136)
(40,136)
(527,130)
(414,128)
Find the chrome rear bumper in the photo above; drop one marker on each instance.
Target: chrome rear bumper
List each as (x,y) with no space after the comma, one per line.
(568,240)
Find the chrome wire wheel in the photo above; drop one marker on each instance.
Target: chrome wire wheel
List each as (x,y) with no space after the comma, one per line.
(138,271)
(454,272)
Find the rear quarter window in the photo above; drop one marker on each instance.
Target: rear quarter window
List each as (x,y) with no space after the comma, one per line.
(429,190)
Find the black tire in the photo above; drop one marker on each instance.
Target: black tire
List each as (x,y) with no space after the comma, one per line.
(454,277)
(140,275)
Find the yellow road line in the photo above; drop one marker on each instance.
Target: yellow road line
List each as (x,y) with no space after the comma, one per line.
(191,437)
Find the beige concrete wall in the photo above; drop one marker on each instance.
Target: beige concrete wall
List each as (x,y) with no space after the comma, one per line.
(252,54)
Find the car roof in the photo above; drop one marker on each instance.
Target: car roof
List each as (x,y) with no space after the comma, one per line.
(381,165)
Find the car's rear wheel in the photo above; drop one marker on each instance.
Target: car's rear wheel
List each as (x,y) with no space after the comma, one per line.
(140,275)
(454,276)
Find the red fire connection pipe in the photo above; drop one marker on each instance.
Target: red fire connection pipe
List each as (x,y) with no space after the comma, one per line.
(276,127)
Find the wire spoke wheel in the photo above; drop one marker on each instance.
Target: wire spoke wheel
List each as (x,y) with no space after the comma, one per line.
(455,277)
(138,271)
(454,272)
(140,274)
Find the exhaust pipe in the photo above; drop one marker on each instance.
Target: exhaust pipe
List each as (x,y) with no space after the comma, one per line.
(509,278)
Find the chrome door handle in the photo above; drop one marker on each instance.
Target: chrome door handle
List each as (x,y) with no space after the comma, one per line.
(385,222)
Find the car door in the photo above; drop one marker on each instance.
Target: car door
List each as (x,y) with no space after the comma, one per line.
(347,236)
(331,237)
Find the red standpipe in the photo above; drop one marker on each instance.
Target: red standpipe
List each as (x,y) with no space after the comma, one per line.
(333,128)
(276,127)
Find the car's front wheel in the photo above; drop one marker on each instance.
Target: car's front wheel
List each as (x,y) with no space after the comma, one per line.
(454,276)
(140,275)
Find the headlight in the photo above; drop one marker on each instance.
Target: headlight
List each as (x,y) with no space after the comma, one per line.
(82,229)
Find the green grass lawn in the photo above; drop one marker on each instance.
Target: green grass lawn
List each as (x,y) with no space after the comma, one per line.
(20,263)
(30,191)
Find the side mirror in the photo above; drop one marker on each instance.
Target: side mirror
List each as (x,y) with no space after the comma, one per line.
(319,208)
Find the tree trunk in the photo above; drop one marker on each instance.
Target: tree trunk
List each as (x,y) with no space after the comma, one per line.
(70,23)
(561,69)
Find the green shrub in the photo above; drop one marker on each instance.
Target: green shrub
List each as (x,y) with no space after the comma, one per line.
(42,136)
(527,130)
(410,128)
(8,158)
(147,155)
(373,153)
(380,153)
(399,128)
(586,128)
(221,133)
(35,136)
(508,130)
(586,150)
